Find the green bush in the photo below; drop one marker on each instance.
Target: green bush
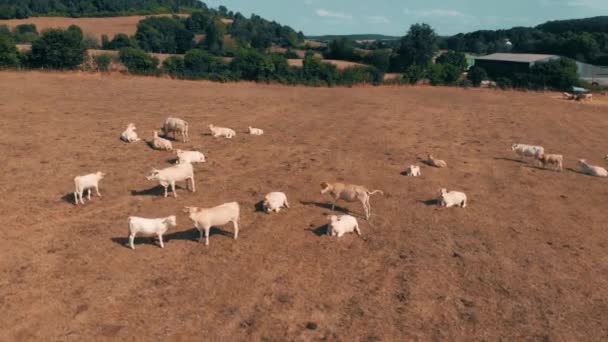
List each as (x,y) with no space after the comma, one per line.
(443,74)
(9,56)
(90,42)
(199,64)
(26,28)
(252,65)
(414,73)
(119,41)
(380,59)
(174,66)
(25,33)
(214,38)
(58,49)
(504,83)
(360,75)
(290,54)
(315,72)
(164,35)
(138,61)
(103,61)
(559,74)
(477,75)
(457,59)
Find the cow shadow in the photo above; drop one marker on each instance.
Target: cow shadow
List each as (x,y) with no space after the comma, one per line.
(69,198)
(511,160)
(157,191)
(259,207)
(319,231)
(325,206)
(184,235)
(578,172)
(430,202)
(139,240)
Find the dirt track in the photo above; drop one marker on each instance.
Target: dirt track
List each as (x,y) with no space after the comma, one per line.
(527,260)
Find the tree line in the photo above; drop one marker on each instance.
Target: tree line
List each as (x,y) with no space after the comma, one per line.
(66,50)
(415,57)
(20,9)
(585,40)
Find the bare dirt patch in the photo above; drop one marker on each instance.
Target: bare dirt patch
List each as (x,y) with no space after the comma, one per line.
(526,260)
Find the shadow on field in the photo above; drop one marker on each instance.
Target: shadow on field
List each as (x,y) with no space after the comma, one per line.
(430,202)
(325,206)
(148,240)
(319,231)
(259,207)
(510,159)
(184,235)
(155,191)
(578,172)
(69,198)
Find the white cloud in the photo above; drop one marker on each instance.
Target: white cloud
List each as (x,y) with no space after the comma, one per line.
(434,13)
(330,14)
(378,19)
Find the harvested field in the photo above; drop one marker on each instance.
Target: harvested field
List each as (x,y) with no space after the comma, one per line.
(526,260)
(340,64)
(90,26)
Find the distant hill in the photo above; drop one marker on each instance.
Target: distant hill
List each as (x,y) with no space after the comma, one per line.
(330,37)
(591,25)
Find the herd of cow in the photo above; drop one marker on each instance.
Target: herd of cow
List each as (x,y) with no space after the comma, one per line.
(206,218)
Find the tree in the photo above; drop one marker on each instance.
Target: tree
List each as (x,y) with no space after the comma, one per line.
(415,73)
(78,8)
(381,59)
(446,74)
(25,33)
(252,65)
(457,59)
(316,72)
(476,75)
(214,39)
(138,61)
(342,49)
(120,41)
(174,66)
(9,56)
(199,63)
(418,47)
(559,74)
(102,62)
(163,35)
(198,22)
(58,49)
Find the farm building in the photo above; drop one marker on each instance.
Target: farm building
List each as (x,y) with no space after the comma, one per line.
(506,64)
(592,73)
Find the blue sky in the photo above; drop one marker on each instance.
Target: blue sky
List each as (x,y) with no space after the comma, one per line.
(393,17)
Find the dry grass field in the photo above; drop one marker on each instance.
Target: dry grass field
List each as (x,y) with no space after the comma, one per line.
(90,26)
(527,260)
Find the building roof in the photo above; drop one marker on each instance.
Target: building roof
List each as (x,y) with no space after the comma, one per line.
(516,57)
